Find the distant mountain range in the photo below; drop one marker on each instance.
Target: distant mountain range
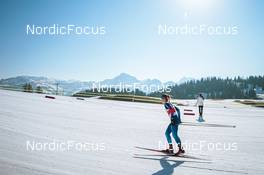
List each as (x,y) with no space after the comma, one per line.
(68,87)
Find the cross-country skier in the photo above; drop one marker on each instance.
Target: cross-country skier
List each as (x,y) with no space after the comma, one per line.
(200,104)
(175,120)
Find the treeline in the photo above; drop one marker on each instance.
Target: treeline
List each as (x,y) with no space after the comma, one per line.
(218,88)
(28,88)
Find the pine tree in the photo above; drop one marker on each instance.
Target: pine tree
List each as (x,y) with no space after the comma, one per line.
(39,90)
(27,87)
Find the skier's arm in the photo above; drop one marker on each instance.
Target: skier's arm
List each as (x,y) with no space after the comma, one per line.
(196,102)
(178,111)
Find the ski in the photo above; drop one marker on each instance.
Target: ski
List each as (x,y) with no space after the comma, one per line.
(173,155)
(207,125)
(164,153)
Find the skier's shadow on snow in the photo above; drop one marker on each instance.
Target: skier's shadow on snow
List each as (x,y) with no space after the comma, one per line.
(167,168)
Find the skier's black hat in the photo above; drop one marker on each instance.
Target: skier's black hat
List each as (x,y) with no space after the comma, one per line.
(165,96)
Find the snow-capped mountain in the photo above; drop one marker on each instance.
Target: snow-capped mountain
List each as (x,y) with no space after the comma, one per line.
(49,85)
(122,78)
(69,87)
(125,80)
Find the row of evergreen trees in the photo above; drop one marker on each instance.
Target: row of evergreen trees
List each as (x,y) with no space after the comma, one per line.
(218,88)
(28,88)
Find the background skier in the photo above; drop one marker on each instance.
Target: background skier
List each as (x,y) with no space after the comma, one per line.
(200,104)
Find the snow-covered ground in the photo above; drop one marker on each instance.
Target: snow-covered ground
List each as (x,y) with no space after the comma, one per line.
(110,130)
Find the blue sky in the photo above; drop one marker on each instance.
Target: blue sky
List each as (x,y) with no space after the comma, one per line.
(131,43)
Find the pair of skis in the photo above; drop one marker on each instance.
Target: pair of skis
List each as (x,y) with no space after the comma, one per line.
(162,152)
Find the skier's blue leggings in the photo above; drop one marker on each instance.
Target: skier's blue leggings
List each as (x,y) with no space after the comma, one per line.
(174,130)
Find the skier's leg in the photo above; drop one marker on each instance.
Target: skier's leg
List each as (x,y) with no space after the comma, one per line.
(167,134)
(200,115)
(201,110)
(174,130)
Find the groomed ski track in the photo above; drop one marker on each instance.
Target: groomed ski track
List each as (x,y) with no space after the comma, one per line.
(118,127)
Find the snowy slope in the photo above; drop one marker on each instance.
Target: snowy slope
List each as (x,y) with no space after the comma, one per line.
(118,127)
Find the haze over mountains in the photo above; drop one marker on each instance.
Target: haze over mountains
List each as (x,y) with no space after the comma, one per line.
(69,87)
